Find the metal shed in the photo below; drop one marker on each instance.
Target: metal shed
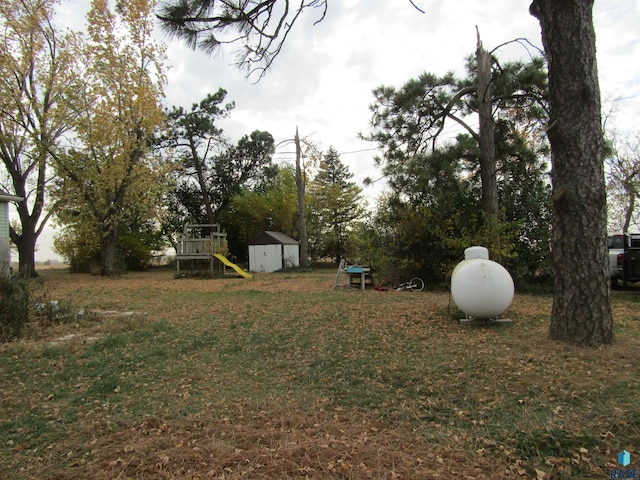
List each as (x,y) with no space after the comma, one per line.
(273,251)
(5,251)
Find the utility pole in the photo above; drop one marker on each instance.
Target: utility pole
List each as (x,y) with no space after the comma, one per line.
(302,223)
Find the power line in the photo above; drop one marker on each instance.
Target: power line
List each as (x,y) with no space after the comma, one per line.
(341,153)
(359,151)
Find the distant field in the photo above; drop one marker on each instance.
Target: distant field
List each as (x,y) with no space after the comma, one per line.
(44,266)
(282,377)
(51,266)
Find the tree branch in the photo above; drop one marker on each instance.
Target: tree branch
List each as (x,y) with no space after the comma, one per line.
(260,31)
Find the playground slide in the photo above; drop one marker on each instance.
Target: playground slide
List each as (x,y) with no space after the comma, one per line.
(226,261)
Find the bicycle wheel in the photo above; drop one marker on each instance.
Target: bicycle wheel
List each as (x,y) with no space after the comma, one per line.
(416,284)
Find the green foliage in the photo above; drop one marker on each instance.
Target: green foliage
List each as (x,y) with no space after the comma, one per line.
(14,307)
(335,205)
(80,247)
(136,245)
(110,179)
(272,207)
(193,139)
(433,211)
(426,232)
(248,164)
(26,308)
(37,73)
(410,241)
(198,125)
(211,171)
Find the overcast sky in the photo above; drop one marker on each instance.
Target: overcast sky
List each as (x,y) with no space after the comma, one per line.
(323,79)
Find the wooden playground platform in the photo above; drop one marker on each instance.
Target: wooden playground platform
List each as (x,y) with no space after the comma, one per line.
(192,245)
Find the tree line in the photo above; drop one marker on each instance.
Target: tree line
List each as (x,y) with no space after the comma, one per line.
(84,139)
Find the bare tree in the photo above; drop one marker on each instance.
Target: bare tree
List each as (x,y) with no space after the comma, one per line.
(623,182)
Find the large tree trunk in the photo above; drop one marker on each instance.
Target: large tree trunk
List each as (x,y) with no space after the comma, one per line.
(581,305)
(26,245)
(629,211)
(487,145)
(202,182)
(25,241)
(110,238)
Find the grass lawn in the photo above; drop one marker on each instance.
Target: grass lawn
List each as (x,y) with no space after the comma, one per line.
(282,377)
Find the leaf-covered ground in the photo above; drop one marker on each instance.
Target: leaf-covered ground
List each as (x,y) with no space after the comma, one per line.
(282,377)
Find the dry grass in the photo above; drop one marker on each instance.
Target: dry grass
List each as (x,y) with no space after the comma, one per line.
(281,377)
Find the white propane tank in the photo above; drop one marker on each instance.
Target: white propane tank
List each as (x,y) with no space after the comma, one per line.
(480,287)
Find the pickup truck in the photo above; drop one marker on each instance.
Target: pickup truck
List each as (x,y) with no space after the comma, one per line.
(624,258)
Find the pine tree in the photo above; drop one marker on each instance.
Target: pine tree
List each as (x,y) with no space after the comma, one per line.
(338,202)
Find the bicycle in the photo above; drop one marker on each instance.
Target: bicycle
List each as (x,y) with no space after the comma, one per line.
(414,285)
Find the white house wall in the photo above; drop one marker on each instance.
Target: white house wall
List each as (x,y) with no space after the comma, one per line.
(5,251)
(4,220)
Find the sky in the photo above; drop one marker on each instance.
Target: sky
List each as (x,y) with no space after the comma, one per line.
(323,79)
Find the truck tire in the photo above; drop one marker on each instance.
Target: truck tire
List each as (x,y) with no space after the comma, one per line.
(614,283)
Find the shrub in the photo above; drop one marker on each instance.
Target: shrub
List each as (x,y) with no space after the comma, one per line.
(27,310)
(14,307)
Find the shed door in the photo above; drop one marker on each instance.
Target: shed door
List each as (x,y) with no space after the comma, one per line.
(291,256)
(266,258)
